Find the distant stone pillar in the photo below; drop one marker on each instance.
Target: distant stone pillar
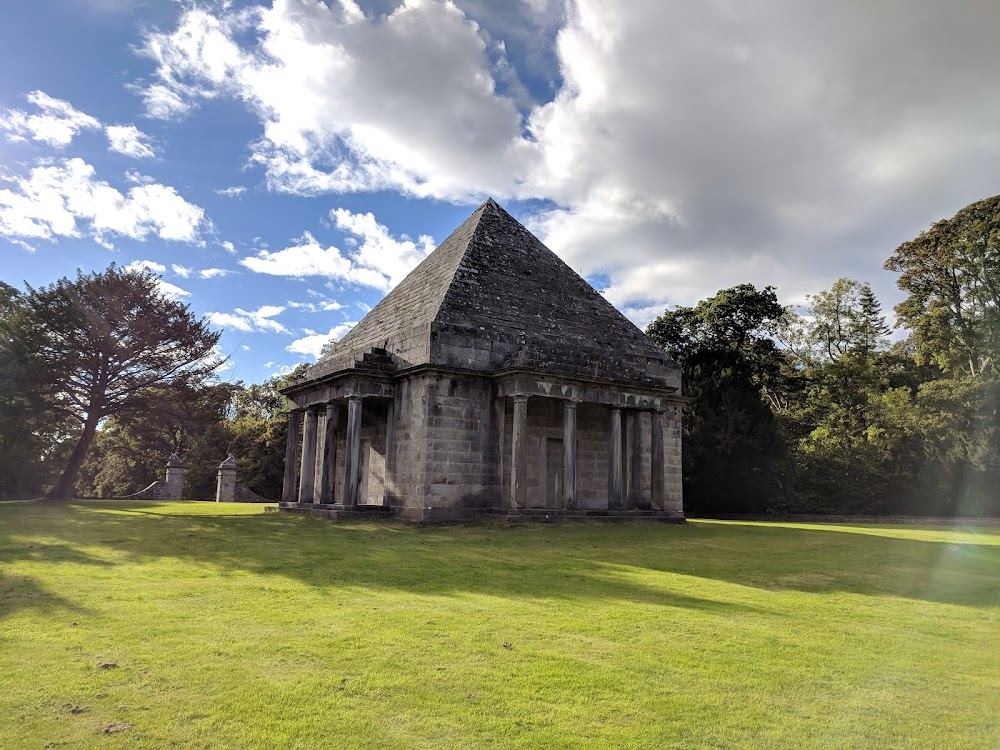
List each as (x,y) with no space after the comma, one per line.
(225,483)
(174,489)
(569,455)
(615,474)
(289,489)
(307,481)
(352,478)
(658,465)
(328,451)
(519,454)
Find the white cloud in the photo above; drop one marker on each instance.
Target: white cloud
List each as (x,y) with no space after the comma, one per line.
(168,290)
(150,265)
(310,75)
(172,291)
(128,140)
(232,192)
(315,307)
(213,273)
(181,271)
(686,147)
(259,320)
(65,199)
(312,344)
(394,258)
(380,262)
(137,178)
(56,124)
(229,247)
(229,320)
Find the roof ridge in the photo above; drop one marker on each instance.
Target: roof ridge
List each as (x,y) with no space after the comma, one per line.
(478,216)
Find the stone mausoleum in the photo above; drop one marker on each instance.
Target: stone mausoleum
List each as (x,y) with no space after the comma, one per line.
(492,379)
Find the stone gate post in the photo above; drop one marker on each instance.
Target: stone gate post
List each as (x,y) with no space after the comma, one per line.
(225,484)
(174,489)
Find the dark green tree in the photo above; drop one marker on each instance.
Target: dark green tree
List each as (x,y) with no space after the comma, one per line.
(99,345)
(733,370)
(130,449)
(951,274)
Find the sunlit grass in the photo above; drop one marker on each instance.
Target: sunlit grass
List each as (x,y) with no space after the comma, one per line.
(231,628)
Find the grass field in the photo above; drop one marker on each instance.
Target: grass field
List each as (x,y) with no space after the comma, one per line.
(230,628)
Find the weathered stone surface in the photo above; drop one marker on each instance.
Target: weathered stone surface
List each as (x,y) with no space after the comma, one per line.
(492,379)
(492,296)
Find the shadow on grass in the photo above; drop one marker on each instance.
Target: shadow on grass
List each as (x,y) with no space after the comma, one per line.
(545,562)
(22,592)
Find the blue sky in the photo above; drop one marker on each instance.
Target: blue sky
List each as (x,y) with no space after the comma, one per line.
(282,164)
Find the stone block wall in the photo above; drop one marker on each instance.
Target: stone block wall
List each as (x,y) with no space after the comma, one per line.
(462,445)
(544,443)
(408,475)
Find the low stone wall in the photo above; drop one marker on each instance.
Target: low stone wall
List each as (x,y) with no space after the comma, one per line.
(158,490)
(885,520)
(246,495)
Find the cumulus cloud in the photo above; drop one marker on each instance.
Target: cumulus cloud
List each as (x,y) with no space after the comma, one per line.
(324,305)
(181,271)
(310,74)
(684,147)
(66,199)
(55,124)
(381,261)
(312,344)
(168,290)
(213,273)
(145,265)
(247,321)
(128,140)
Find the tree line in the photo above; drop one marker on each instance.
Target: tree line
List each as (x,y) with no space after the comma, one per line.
(818,410)
(102,377)
(811,410)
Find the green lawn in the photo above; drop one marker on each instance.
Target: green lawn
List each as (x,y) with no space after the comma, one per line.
(232,628)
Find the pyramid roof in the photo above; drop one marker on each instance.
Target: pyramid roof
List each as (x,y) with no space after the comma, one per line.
(492,297)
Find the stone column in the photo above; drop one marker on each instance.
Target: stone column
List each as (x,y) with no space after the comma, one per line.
(390,453)
(658,465)
(351,476)
(225,483)
(175,478)
(328,452)
(634,454)
(307,481)
(615,475)
(289,490)
(519,454)
(569,455)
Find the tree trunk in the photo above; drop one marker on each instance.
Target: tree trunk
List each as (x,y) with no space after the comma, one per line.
(63,488)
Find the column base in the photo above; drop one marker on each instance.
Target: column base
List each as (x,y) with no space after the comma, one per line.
(451,515)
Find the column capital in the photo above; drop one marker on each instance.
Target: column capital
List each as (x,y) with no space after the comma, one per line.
(520,398)
(570,404)
(355,398)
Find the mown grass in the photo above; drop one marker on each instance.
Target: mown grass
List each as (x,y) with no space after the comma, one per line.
(235,629)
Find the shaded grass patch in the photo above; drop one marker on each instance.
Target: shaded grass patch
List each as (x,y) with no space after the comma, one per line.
(232,628)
